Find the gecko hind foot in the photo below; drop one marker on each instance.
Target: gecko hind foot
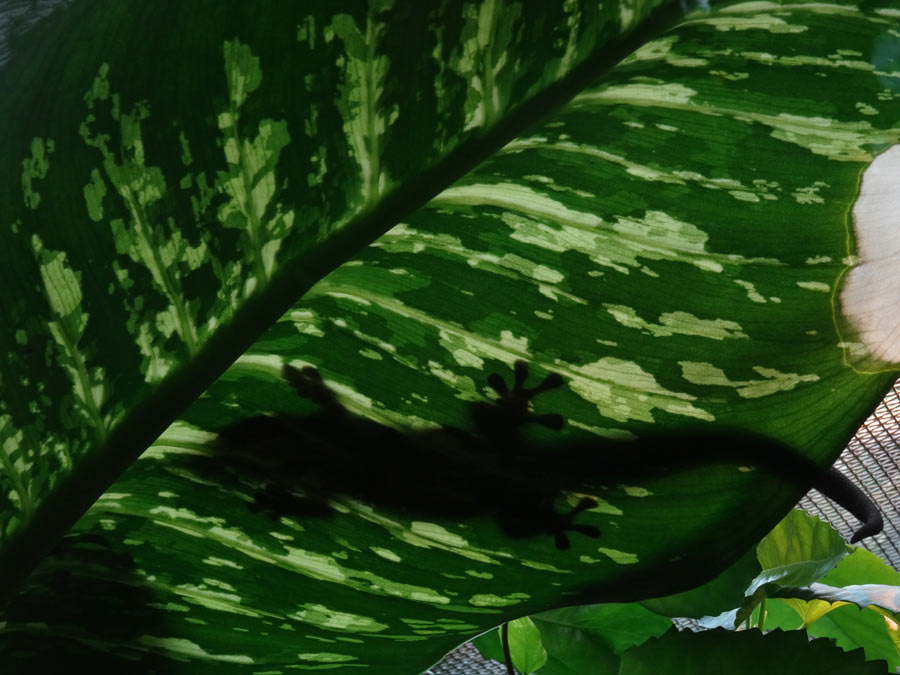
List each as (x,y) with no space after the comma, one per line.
(565,524)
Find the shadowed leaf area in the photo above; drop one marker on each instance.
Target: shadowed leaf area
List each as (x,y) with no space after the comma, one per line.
(298,464)
(91,596)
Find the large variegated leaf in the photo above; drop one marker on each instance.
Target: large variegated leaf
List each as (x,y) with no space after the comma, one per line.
(673,242)
(176,174)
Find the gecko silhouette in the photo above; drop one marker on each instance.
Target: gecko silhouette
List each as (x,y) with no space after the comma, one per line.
(302,462)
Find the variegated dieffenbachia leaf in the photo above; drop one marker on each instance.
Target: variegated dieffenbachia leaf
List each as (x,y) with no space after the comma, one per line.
(195,167)
(673,243)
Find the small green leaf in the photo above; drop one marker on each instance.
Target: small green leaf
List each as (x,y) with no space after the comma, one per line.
(525,647)
(800,550)
(862,566)
(782,616)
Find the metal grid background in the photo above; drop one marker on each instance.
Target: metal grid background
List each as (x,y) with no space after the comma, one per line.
(871,460)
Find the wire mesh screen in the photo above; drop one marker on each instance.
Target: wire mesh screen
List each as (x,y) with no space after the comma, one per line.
(467,661)
(872,461)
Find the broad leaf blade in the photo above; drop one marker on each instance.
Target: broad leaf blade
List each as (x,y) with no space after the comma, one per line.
(525,647)
(168,198)
(719,595)
(799,551)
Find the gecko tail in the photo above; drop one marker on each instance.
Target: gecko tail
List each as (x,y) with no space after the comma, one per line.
(846,494)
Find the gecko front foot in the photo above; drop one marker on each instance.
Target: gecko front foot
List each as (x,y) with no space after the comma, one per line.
(511,409)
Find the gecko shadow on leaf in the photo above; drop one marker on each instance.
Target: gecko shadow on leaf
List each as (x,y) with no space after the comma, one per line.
(300,463)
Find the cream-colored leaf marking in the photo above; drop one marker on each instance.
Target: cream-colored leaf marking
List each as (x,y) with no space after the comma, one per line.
(619,557)
(385,553)
(871,293)
(250,181)
(758,189)
(752,294)
(657,95)
(308,563)
(35,168)
(773,380)
(492,600)
(326,657)
(62,289)
(680,323)
(429,535)
(756,6)
(815,286)
(322,616)
(624,391)
(766,22)
(662,50)
(11,439)
(833,61)
(489,30)
(835,139)
(538,219)
(366,118)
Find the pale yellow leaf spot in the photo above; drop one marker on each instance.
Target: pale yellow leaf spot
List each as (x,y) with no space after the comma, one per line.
(619,557)
(814,286)
(773,381)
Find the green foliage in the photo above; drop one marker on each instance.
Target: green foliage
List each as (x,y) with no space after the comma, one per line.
(798,552)
(617,638)
(528,654)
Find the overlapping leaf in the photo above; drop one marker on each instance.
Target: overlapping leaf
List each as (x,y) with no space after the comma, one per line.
(176,175)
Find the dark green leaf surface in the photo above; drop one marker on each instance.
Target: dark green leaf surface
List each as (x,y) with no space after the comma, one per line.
(671,243)
(743,653)
(724,592)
